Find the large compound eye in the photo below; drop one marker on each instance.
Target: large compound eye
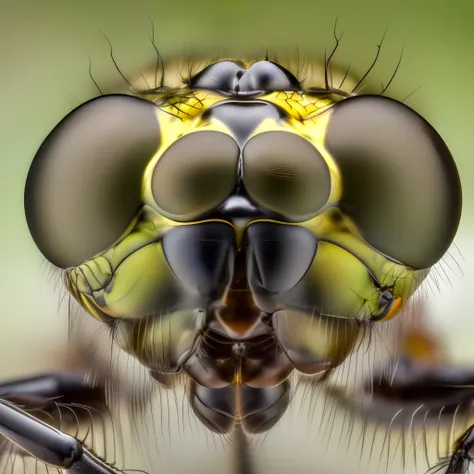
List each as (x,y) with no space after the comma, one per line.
(195,174)
(285,173)
(400,182)
(83,188)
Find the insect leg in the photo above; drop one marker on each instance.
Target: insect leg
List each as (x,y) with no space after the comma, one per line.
(48,445)
(33,436)
(461,458)
(47,397)
(68,386)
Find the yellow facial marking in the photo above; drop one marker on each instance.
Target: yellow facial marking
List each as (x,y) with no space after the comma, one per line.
(298,106)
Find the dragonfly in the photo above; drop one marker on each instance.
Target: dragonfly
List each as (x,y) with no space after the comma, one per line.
(235,222)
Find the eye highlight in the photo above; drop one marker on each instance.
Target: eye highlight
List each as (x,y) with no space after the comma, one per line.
(400,183)
(83,188)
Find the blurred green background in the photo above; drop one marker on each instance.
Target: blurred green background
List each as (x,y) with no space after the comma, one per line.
(44,48)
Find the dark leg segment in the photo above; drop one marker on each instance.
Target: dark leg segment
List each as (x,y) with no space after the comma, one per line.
(40,440)
(89,464)
(67,386)
(37,438)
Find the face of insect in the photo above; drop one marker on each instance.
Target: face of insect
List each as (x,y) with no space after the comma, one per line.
(241,226)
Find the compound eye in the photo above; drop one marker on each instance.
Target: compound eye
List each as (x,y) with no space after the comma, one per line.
(221,76)
(285,173)
(83,188)
(401,185)
(268,76)
(195,175)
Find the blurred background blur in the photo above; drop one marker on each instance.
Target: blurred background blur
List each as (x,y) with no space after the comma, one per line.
(44,48)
